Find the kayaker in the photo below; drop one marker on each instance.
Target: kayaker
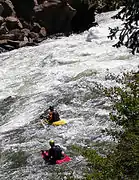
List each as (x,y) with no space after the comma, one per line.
(55,152)
(53,115)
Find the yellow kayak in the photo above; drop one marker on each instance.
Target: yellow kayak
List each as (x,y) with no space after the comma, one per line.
(60,122)
(56,123)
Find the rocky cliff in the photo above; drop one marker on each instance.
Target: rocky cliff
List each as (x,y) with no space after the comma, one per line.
(27,22)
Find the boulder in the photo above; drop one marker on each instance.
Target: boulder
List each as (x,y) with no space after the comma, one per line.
(84,16)
(26,25)
(3,42)
(17,44)
(13,23)
(8,8)
(7,37)
(54,15)
(3,29)
(1,9)
(36,27)
(24,8)
(1,20)
(42,32)
(19,35)
(26,32)
(2,50)
(34,35)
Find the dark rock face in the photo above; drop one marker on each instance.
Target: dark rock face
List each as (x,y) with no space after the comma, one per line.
(24,8)
(84,17)
(55,16)
(27,22)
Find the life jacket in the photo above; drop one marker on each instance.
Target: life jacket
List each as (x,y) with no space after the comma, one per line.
(55,116)
(56,152)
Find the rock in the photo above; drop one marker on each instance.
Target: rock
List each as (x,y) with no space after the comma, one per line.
(1,20)
(2,50)
(26,25)
(3,42)
(25,39)
(34,35)
(42,32)
(8,8)
(36,28)
(8,47)
(54,15)
(3,29)
(13,23)
(36,2)
(15,31)
(7,36)
(24,8)
(40,1)
(84,17)
(19,35)
(26,32)
(17,44)
(32,43)
(1,9)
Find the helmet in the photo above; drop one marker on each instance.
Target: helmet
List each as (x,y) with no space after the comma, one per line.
(51,142)
(51,108)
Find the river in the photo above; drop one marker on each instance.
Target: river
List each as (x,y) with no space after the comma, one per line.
(63,72)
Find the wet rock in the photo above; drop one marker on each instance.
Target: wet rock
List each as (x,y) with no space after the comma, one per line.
(43,32)
(5,105)
(19,35)
(32,43)
(8,47)
(15,32)
(17,44)
(13,23)
(26,25)
(34,35)
(3,42)
(2,49)
(36,28)
(3,29)
(7,36)
(25,39)
(26,32)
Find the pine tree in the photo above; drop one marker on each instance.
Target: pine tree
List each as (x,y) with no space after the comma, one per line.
(129,33)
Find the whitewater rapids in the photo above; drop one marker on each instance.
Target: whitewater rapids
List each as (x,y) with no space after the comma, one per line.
(62,72)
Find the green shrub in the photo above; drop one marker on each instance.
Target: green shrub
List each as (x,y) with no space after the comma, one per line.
(123,162)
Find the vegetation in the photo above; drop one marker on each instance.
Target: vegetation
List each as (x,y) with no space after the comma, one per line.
(123,162)
(129,34)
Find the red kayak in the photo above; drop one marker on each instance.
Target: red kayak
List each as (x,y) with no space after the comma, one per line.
(64,159)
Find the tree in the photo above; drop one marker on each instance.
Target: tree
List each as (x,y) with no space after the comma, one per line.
(123,161)
(129,33)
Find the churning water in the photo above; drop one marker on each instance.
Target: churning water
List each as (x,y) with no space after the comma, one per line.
(62,72)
